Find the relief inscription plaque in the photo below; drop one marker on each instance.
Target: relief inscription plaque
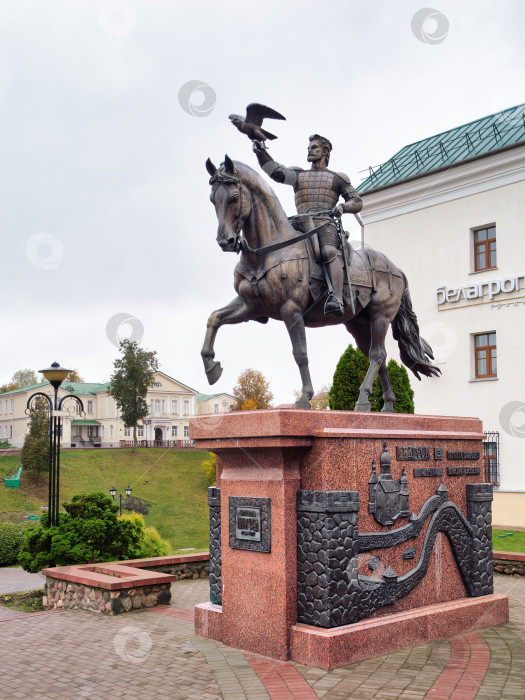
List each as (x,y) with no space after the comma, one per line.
(412,453)
(248,524)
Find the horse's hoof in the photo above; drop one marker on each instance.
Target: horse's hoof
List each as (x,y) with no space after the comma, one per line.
(364,406)
(302,403)
(214,374)
(262,319)
(388,409)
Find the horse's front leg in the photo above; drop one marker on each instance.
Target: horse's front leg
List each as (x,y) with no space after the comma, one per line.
(377,357)
(293,318)
(235,312)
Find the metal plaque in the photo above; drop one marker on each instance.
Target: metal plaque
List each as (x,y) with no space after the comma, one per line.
(249,521)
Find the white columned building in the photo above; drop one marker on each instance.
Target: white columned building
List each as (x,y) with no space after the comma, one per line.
(450,212)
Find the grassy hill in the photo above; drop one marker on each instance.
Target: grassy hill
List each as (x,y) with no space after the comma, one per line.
(171,480)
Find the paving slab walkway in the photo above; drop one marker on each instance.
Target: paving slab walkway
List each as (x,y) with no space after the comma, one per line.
(17,580)
(153,654)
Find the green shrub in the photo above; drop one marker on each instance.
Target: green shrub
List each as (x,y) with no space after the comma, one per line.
(89,531)
(151,543)
(350,374)
(12,536)
(209,466)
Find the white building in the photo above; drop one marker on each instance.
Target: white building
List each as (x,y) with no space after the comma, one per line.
(170,405)
(450,212)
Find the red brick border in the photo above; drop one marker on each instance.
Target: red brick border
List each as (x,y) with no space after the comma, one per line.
(280,678)
(465,671)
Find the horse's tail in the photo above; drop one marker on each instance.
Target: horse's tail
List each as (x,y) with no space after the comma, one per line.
(414,350)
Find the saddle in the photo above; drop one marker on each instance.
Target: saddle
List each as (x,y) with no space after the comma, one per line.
(361,270)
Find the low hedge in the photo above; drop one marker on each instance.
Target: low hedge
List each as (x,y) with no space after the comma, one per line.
(12,536)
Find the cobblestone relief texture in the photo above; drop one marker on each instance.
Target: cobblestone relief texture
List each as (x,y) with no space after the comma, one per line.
(331,593)
(214,502)
(479,513)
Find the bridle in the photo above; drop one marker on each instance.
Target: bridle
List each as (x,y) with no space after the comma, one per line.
(225,178)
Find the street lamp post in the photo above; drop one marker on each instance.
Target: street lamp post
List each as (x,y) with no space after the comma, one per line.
(55,375)
(113,492)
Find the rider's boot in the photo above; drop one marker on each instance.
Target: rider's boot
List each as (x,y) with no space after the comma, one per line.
(334,303)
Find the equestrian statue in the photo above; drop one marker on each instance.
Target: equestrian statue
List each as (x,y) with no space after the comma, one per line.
(303,271)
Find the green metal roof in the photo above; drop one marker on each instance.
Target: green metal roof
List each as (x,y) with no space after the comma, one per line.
(77,388)
(85,422)
(25,388)
(481,137)
(83,388)
(207,397)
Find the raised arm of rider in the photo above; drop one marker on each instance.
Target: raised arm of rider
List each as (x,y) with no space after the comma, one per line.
(279,173)
(353,203)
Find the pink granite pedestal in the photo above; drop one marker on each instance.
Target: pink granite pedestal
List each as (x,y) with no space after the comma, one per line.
(273,454)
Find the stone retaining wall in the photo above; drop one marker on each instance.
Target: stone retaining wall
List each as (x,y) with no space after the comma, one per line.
(511,568)
(70,596)
(188,570)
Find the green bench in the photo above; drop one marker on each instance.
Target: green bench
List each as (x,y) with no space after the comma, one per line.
(14,481)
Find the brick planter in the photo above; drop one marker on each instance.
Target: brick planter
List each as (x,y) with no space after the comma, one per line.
(70,596)
(117,587)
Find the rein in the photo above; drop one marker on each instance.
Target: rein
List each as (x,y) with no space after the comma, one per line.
(259,252)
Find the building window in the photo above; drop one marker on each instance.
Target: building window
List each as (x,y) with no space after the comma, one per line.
(174,406)
(11,431)
(484,248)
(216,408)
(157,407)
(485,356)
(186,407)
(110,431)
(101,431)
(491,458)
(10,405)
(186,431)
(140,431)
(90,406)
(174,431)
(127,431)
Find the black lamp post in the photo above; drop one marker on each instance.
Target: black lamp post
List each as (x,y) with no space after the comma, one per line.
(113,492)
(55,375)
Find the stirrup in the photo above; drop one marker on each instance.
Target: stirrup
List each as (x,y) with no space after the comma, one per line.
(333,306)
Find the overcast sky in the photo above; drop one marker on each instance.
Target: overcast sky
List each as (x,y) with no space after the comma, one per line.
(104,199)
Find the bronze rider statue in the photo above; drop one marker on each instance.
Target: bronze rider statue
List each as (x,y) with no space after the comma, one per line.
(319,190)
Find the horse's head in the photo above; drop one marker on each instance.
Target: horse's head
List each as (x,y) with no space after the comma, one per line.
(231,201)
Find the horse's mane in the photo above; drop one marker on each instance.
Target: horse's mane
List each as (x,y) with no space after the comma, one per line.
(251,179)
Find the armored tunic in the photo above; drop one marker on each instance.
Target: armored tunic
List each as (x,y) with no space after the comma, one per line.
(316,190)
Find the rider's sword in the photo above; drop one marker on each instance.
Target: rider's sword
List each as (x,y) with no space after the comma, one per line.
(337,219)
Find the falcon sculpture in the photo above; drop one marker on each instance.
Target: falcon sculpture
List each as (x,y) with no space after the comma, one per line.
(251,124)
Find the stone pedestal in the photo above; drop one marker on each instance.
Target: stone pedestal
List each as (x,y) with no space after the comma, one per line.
(319,549)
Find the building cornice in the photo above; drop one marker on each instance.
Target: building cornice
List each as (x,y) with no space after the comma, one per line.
(473,177)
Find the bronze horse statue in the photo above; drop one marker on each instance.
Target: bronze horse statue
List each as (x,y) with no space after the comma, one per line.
(279,282)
